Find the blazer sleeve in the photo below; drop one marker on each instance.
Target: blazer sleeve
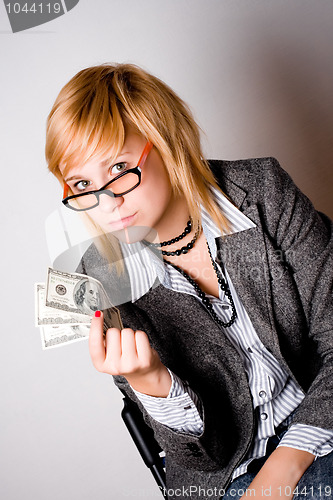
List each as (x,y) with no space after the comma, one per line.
(182,447)
(305,237)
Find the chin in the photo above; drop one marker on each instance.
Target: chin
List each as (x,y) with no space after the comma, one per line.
(133,234)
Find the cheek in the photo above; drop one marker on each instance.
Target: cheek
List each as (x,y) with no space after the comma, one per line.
(99,218)
(162,199)
(158,190)
(95,219)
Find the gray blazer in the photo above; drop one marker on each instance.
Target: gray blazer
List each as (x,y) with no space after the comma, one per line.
(282,271)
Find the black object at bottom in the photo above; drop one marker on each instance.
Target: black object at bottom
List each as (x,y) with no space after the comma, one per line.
(143,437)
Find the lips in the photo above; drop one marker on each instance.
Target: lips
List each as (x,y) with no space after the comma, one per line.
(121,223)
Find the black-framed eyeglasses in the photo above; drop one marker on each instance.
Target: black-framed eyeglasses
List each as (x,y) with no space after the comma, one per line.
(119,186)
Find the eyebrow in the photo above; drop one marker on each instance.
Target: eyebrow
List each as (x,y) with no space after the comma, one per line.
(73,178)
(102,164)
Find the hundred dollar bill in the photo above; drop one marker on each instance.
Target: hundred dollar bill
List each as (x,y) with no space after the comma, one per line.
(58,335)
(65,305)
(74,293)
(50,316)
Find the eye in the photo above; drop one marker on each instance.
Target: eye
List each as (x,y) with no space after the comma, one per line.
(81,185)
(118,168)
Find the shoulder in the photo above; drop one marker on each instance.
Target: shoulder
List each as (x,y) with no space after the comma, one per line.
(260,181)
(286,214)
(250,174)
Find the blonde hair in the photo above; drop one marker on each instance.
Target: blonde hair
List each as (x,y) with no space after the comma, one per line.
(89,118)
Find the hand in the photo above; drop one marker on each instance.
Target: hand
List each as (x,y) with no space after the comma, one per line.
(280,474)
(128,353)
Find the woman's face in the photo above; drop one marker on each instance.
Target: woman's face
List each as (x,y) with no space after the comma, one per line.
(142,209)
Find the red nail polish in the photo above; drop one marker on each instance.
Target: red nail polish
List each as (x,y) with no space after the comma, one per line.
(97,314)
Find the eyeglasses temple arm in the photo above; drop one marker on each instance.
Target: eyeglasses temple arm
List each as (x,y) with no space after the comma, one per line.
(145,153)
(65,194)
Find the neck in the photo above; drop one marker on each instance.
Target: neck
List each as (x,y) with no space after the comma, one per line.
(173,222)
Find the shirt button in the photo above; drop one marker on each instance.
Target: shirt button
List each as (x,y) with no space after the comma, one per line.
(263,416)
(262,394)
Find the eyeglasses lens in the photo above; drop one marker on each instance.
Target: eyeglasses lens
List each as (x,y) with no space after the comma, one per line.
(125,183)
(119,186)
(83,202)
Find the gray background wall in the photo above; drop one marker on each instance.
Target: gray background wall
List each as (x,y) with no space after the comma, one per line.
(258,75)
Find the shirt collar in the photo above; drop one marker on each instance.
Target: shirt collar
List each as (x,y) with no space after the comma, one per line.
(145,263)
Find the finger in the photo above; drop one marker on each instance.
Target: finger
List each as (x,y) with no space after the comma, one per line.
(143,347)
(96,341)
(128,345)
(113,346)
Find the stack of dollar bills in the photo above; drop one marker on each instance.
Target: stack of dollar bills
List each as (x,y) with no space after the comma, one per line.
(65,304)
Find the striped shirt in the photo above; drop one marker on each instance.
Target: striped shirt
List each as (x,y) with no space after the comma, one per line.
(275,395)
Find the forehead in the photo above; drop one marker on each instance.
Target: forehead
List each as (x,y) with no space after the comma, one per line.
(84,141)
(85,169)
(85,163)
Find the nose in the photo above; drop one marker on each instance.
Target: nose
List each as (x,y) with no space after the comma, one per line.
(108,203)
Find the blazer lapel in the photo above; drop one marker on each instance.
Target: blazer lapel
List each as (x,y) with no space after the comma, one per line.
(244,256)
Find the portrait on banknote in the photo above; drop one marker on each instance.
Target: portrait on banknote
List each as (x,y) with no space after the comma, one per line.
(87,296)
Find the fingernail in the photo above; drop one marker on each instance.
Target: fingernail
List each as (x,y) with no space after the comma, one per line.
(97,314)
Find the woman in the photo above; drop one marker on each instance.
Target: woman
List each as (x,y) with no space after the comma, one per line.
(227,339)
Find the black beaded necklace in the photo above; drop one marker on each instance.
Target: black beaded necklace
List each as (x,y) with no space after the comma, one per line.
(205,300)
(186,248)
(182,250)
(186,231)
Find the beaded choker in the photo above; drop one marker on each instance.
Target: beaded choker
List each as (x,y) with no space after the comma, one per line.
(182,250)
(186,231)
